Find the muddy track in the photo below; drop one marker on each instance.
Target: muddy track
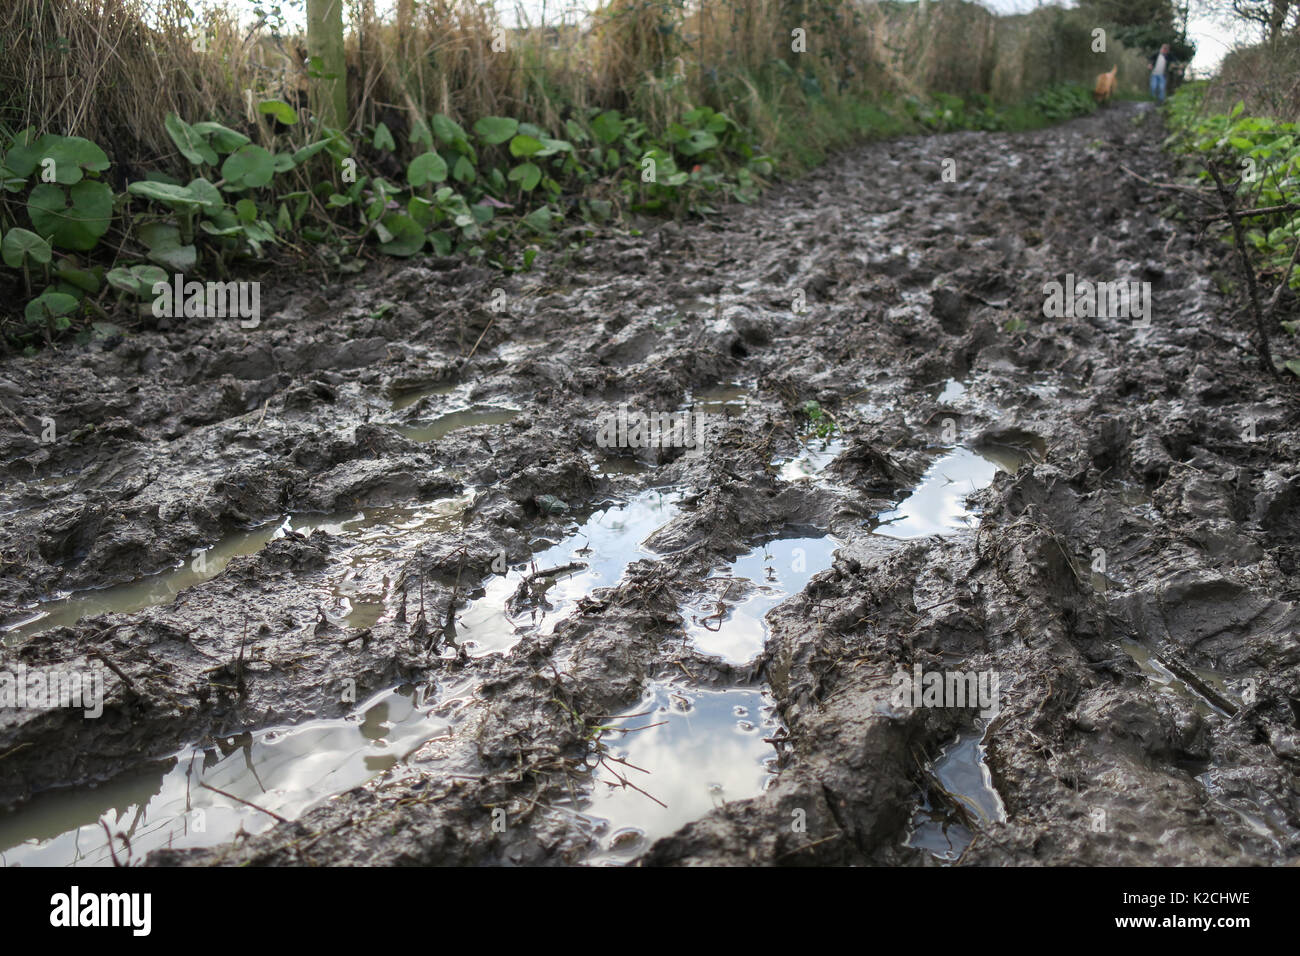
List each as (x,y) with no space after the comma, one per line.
(1128,574)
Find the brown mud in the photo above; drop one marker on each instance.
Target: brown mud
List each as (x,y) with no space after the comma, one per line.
(1148,712)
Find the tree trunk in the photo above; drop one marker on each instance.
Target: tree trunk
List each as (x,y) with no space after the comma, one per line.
(327,65)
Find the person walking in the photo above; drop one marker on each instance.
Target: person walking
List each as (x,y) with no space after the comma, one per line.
(1159,67)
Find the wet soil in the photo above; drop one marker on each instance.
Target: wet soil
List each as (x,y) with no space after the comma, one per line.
(406,498)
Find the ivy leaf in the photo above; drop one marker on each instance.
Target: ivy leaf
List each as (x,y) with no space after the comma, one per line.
(495,130)
(447,129)
(464,171)
(137,280)
(527,175)
(52,304)
(221,138)
(426,168)
(250,166)
(524,146)
(165,247)
(539,219)
(188,140)
(406,236)
(20,245)
(75,218)
(282,111)
(383,139)
(608,126)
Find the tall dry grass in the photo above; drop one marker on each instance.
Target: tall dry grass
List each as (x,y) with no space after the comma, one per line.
(110,70)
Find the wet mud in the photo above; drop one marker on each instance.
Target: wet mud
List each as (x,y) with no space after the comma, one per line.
(367,584)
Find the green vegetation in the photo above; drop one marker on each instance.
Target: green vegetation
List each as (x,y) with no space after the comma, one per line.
(1258,159)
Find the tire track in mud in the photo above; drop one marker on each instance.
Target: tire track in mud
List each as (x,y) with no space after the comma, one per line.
(1129,584)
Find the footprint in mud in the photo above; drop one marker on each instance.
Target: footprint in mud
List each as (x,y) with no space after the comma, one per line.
(280,772)
(938,504)
(359,599)
(731,621)
(592,555)
(452,421)
(682,752)
(960,801)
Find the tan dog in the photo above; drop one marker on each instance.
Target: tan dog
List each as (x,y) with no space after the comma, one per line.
(1105,87)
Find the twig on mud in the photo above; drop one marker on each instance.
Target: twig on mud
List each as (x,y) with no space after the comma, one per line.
(1248,213)
(525,589)
(247,803)
(14,750)
(113,667)
(21,423)
(1174,186)
(809,846)
(112,851)
(480,338)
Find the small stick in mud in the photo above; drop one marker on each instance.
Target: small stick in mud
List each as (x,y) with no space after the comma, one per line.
(247,803)
(112,851)
(114,668)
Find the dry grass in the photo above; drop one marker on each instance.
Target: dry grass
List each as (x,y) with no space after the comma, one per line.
(111,69)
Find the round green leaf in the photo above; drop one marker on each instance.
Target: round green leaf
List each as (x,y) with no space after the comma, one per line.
(463,171)
(496,129)
(282,111)
(426,168)
(407,238)
(73,156)
(222,138)
(20,245)
(206,194)
(74,218)
(172,196)
(137,280)
(49,303)
(383,138)
(524,146)
(192,146)
(249,165)
(447,129)
(527,175)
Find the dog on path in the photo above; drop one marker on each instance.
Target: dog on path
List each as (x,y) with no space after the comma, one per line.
(1105,87)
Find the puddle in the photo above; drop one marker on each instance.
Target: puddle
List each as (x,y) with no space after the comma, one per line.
(961,771)
(611,465)
(938,504)
(731,623)
(1166,681)
(606,543)
(154,589)
(708,750)
(406,398)
(359,594)
(953,391)
(287,770)
(463,418)
(812,459)
(728,400)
